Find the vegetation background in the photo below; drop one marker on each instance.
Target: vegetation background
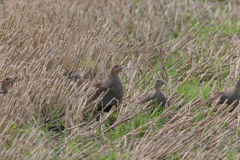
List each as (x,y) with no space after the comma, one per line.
(193,45)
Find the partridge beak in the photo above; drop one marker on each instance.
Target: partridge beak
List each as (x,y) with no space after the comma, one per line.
(121,67)
(13,80)
(69,77)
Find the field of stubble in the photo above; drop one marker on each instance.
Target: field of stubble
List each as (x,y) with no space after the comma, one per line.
(193,45)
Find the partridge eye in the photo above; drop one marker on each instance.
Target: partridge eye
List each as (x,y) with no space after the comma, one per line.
(7,79)
(115,66)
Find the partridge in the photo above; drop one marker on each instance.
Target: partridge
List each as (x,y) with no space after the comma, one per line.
(6,85)
(77,79)
(113,87)
(230,95)
(157,94)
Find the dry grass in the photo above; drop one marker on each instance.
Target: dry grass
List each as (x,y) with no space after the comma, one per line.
(191,45)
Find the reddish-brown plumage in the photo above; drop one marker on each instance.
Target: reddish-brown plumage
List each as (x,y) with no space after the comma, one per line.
(157,94)
(77,78)
(230,95)
(6,84)
(114,87)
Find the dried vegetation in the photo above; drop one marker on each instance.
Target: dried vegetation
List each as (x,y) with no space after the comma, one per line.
(192,45)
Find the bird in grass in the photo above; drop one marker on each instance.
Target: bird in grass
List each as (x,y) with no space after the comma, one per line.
(230,95)
(157,94)
(113,87)
(6,85)
(77,79)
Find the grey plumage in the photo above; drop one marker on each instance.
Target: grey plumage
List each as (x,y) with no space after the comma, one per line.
(114,87)
(77,78)
(230,95)
(157,94)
